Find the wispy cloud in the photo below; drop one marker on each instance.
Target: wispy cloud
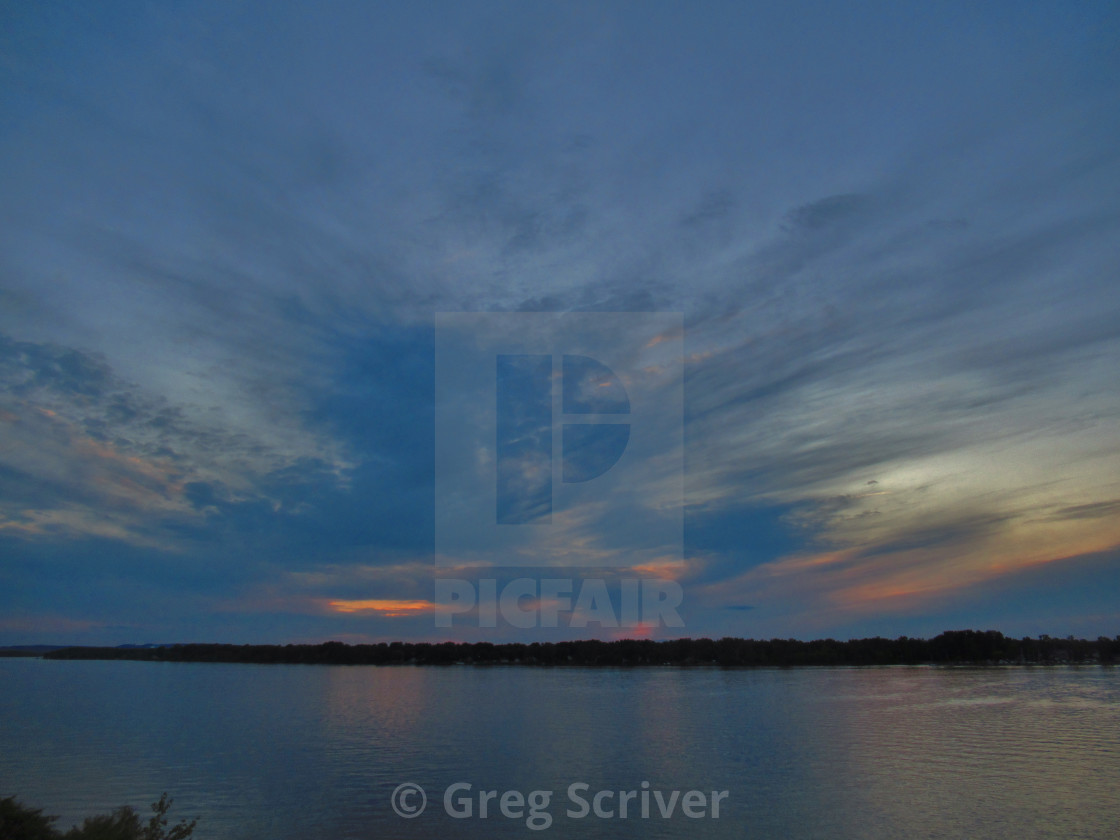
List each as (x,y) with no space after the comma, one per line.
(222,248)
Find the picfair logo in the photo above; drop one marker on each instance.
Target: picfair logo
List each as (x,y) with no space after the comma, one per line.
(559,439)
(525,430)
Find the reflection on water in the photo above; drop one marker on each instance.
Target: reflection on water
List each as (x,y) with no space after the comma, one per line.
(315,752)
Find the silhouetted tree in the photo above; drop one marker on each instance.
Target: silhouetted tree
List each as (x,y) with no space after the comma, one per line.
(949,648)
(18,822)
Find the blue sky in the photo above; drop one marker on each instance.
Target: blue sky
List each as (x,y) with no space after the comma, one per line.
(892,229)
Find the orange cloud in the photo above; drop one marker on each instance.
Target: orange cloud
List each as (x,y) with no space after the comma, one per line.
(641,631)
(662,569)
(388,608)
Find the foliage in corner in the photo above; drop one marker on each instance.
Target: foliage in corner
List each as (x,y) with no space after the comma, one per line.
(19,822)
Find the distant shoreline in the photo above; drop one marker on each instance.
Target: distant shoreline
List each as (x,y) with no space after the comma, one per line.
(955,647)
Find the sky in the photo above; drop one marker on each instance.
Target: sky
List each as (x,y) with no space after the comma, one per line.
(891,232)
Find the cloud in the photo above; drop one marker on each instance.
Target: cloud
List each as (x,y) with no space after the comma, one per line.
(223,248)
(827,213)
(85,452)
(387,607)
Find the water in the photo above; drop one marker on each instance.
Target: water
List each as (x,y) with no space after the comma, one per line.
(315,752)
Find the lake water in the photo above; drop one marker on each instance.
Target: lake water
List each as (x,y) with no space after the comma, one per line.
(310,752)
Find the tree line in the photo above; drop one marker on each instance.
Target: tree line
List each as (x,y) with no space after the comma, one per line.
(954,647)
